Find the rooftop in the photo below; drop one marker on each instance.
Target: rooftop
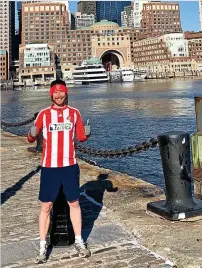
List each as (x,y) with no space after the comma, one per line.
(105,23)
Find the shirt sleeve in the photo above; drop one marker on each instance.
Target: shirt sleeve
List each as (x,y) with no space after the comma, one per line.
(80,133)
(39,125)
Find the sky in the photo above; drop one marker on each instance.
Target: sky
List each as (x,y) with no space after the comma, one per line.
(189,12)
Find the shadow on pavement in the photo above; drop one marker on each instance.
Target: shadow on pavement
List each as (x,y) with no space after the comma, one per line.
(91,201)
(11,191)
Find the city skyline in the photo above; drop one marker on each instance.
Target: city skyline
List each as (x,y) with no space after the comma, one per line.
(188,9)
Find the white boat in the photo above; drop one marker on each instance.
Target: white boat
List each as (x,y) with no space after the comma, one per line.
(90,72)
(140,74)
(69,80)
(127,75)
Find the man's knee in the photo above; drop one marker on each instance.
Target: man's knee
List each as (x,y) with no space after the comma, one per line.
(46,207)
(74,204)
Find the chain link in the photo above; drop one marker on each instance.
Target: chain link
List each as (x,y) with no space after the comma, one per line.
(26,122)
(144,146)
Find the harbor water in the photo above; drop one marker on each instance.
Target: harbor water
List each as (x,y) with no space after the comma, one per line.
(121,115)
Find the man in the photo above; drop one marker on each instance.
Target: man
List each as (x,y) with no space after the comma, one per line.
(59,123)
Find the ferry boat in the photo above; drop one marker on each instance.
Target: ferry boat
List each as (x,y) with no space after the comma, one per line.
(140,74)
(91,71)
(127,75)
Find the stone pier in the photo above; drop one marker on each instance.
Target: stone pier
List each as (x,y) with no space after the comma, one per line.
(119,231)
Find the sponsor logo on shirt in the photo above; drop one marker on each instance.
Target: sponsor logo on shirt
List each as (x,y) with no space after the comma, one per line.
(60,126)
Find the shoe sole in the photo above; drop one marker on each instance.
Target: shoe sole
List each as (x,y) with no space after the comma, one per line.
(85,256)
(41,261)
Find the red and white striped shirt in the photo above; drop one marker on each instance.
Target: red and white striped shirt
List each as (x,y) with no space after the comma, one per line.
(58,127)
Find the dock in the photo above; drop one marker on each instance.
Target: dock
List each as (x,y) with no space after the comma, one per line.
(119,230)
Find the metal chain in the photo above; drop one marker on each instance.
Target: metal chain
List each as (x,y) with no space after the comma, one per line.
(18,124)
(144,146)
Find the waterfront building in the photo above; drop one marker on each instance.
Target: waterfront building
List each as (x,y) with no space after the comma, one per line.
(165,53)
(87,7)
(160,18)
(3,65)
(110,10)
(46,22)
(7,31)
(37,61)
(195,47)
(200,14)
(83,20)
(111,45)
(127,17)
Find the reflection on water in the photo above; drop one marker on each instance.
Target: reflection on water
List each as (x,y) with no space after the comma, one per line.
(121,115)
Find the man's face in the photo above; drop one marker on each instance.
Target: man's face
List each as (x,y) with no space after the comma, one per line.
(59,98)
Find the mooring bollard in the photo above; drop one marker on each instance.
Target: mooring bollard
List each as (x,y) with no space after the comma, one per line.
(39,142)
(175,156)
(61,233)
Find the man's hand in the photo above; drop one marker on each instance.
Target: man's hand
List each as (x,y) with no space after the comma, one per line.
(87,128)
(33,131)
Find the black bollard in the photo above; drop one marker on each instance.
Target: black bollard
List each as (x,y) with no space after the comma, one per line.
(61,232)
(39,142)
(176,161)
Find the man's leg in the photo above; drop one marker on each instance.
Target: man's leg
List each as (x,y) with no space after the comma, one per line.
(44,219)
(44,222)
(75,216)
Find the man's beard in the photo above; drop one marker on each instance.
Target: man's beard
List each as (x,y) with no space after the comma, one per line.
(65,101)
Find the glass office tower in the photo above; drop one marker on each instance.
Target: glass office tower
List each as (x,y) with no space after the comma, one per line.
(110,10)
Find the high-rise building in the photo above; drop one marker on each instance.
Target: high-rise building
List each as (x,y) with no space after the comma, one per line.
(83,20)
(160,18)
(87,7)
(127,17)
(137,12)
(110,10)
(44,22)
(7,31)
(200,14)
(18,29)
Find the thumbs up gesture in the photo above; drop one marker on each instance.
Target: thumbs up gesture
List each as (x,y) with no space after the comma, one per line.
(87,128)
(33,131)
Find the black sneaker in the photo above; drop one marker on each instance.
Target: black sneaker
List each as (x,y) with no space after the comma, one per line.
(82,249)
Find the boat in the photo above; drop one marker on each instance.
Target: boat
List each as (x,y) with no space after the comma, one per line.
(90,71)
(140,74)
(69,80)
(127,75)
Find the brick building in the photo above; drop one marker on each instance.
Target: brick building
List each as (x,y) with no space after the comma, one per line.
(195,47)
(3,65)
(44,22)
(166,53)
(160,18)
(87,7)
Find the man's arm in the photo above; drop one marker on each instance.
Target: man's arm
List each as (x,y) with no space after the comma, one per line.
(36,129)
(82,133)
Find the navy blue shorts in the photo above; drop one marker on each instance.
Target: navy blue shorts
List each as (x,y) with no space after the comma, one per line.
(53,178)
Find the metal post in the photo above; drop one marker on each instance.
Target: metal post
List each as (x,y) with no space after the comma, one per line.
(175,156)
(198,110)
(61,232)
(197,148)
